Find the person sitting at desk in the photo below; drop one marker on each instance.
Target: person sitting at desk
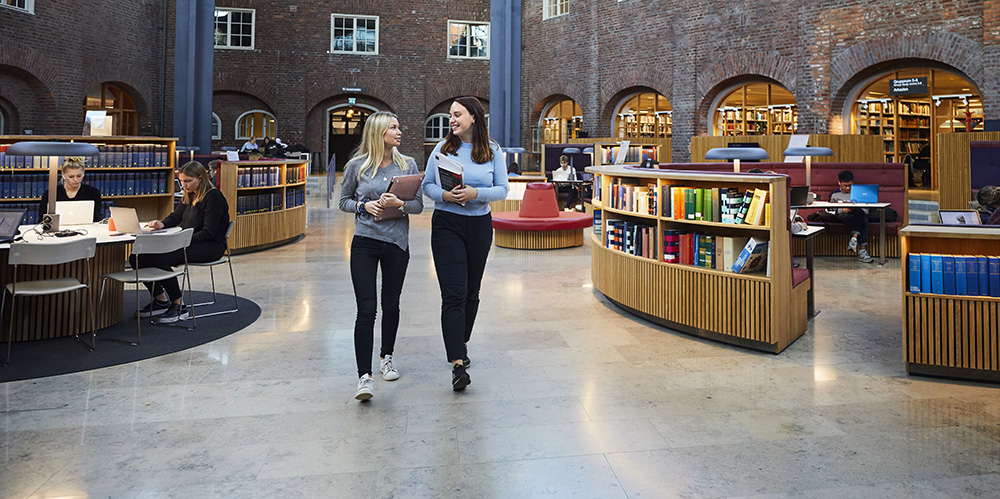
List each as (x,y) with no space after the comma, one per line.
(565,173)
(856,219)
(204,209)
(72,188)
(249,145)
(989,199)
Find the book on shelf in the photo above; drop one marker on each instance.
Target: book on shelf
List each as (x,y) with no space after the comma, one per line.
(948,274)
(993,264)
(961,288)
(755,212)
(731,249)
(971,276)
(744,206)
(752,258)
(955,275)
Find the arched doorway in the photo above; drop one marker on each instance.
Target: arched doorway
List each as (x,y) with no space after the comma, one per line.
(117,105)
(644,114)
(909,108)
(758,108)
(345,123)
(562,120)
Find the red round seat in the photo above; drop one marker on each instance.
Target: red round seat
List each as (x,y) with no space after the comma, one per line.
(512,220)
(539,224)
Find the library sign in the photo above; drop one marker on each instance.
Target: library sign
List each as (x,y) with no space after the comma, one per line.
(908,86)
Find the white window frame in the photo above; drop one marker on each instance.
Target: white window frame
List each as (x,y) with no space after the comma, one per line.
(216,125)
(355,18)
(29,6)
(253,29)
(445,126)
(252,111)
(468,25)
(554,8)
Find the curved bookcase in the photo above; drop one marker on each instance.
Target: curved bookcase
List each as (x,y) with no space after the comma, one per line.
(267,200)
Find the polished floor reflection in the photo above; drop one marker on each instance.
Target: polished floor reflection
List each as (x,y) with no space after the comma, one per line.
(569,398)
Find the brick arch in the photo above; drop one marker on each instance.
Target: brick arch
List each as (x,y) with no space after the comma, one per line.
(767,64)
(18,55)
(635,78)
(374,87)
(247,84)
(945,47)
(136,82)
(445,91)
(544,91)
(607,115)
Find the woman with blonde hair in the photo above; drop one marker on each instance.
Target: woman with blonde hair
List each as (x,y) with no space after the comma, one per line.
(72,188)
(202,208)
(384,243)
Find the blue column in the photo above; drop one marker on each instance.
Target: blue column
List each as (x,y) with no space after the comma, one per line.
(194,42)
(505,72)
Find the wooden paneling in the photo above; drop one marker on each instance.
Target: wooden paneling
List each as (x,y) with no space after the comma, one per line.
(541,239)
(846,148)
(954,171)
(261,230)
(505,205)
(836,245)
(56,316)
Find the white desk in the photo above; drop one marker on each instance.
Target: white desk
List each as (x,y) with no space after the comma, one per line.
(870,206)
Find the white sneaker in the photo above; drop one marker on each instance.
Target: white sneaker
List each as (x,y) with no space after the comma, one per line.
(853,244)
(388,369)
(365,386)
(863,256)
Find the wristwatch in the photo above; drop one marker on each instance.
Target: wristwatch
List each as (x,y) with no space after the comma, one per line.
(402,208)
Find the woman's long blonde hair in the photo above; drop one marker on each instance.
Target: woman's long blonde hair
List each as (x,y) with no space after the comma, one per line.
(196,169)
(372,146)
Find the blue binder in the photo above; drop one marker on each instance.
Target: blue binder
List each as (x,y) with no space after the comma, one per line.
(937,275)
(960,286)
(972,275)
(914,286)
(984,276)
(925,273)
(948,273)
(994,268)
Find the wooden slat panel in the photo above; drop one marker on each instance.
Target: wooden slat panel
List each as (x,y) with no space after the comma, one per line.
(953,165)
(550,239)
(846,148)
(836,245)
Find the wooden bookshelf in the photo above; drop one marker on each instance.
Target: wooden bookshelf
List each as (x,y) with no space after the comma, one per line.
(268,227)
(119,154)
(950,335)
(606,152)
(760,310)
(757,120)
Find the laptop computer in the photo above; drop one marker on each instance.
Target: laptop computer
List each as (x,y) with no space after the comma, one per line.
(960,217)
(75,212)
(864,193)
(799,195)
(9,221)
(127,222)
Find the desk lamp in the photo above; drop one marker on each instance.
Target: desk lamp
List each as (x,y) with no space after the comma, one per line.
(517,151)
(50,220)
(809,152)
(735,154)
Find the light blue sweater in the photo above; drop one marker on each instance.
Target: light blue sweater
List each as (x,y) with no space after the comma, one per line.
(489,178)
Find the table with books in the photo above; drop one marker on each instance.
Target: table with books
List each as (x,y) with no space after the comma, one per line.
(951,301)
(826,205)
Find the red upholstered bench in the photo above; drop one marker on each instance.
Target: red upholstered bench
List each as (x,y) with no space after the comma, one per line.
(539,224)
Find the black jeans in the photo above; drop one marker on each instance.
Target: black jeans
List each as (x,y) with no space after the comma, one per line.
(196,253)
(857,221)
(366,256)
(571,194)
(460,245)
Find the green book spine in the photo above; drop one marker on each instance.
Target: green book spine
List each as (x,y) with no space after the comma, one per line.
(699,203)
(689,203)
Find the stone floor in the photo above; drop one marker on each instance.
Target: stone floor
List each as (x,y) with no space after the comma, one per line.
(570,397)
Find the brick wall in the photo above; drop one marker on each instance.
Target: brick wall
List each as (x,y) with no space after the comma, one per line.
(691,52)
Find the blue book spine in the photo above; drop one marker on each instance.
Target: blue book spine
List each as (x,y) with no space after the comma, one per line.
(960,286)
(925,273)
(984,276)
(972,276)
(937,275)
(914,273)
(994,268)
(948,273)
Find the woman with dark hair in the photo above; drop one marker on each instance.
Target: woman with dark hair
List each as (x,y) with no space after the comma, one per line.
(461,226)
(204,209)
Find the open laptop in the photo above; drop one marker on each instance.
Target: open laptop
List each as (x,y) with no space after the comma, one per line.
(960,217)
(75,212)
(127,222)
(799,195)
(864,193)
(9,221)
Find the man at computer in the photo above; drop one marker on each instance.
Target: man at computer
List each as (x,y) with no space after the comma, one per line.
(856,219)
(72,188)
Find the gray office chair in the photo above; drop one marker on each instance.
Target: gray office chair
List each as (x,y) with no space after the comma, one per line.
(48,254)
(227,259)
(153,244)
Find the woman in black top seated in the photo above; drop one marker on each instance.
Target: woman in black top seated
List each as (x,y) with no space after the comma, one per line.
(204,209)
(72,188)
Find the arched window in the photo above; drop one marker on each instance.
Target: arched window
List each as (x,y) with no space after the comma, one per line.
(757,109)
(117,104)
(646,114)
(216,127)
(909,108)
(436,128)
(256,123)
(562,121)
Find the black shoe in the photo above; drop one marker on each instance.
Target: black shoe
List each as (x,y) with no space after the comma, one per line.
(173,314)
(459,378)
(467,363)
(155,307)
